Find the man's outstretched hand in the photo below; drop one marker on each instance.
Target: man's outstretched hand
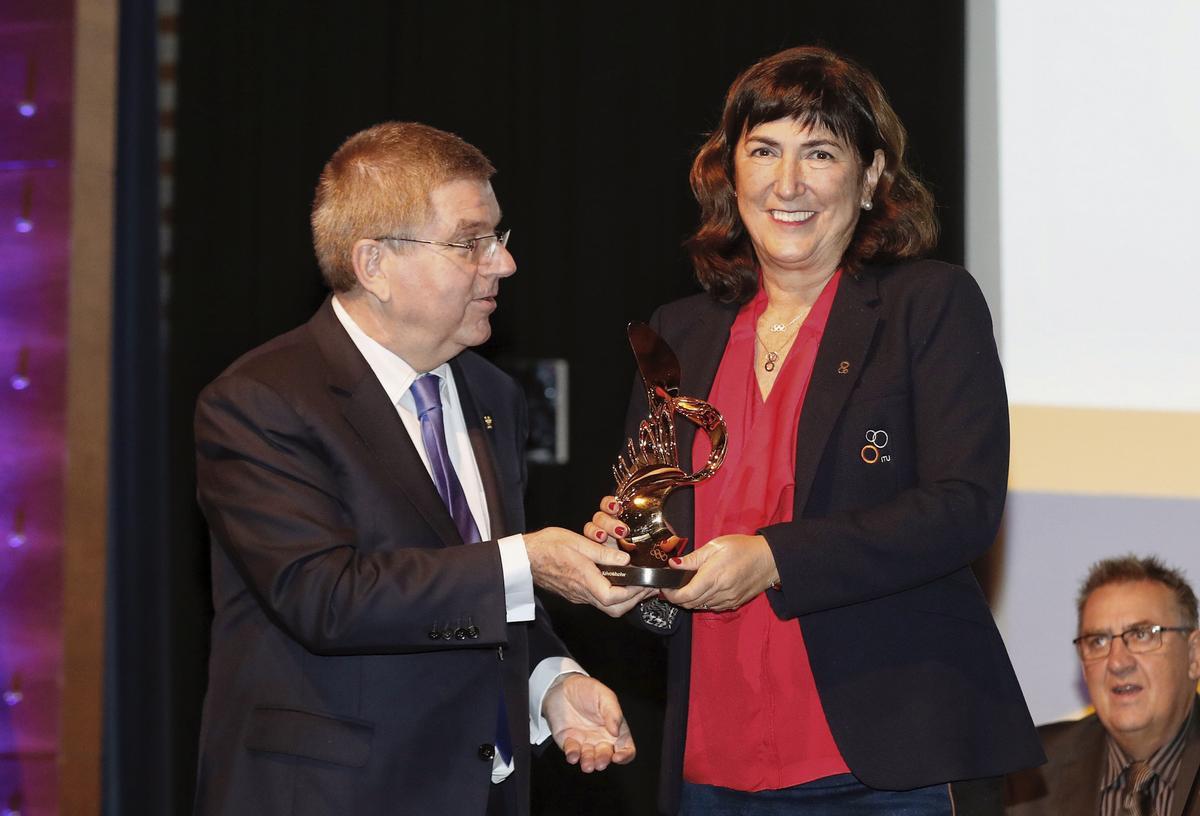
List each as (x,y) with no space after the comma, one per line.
(587,723)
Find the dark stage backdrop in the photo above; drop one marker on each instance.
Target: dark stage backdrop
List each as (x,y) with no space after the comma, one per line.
(591,112)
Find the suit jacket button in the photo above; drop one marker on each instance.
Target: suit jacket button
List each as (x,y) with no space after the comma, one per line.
(472,632)
(487,752)
(435,634)
(460,634)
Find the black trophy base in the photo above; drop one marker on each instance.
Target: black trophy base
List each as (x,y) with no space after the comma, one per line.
(662,577)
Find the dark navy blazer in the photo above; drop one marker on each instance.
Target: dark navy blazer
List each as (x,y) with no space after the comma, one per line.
(359,647)
(875,567)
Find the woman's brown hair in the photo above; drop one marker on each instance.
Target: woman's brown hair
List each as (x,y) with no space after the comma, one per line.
(816,87)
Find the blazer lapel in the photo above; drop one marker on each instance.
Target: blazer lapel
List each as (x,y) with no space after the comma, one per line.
(1078,794)
(702,348)
(1187,784)
(485,455)
(369,411)
(844,345)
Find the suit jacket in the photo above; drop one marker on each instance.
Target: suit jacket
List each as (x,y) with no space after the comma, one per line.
(1069,783)
(359,647)
(875,566)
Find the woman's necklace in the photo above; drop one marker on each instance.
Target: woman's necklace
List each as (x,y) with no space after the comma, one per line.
(779,327)
(772,356)
(776,328)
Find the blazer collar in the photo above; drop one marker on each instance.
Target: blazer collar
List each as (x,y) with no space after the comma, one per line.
(702,347)
(844,345)
(367,408)
(705,346)
(839,363)
(1187,785)
(481,446)
(1082,767)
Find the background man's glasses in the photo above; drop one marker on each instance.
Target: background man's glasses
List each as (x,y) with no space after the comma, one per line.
(480,250)
(1138,639)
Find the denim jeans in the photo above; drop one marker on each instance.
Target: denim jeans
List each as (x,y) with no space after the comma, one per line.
(841,795)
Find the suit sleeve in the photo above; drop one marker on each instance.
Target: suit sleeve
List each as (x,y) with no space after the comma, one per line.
(271,496)
(946,514)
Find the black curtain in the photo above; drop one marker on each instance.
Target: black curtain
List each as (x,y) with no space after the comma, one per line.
(138,691)
(591,112)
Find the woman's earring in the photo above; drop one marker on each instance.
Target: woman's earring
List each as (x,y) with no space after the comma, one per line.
(867,205)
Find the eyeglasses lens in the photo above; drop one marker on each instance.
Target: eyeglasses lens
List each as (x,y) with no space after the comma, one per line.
(485,248)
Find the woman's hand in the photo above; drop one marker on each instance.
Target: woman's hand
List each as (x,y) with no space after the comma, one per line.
(730,570)
(605,527)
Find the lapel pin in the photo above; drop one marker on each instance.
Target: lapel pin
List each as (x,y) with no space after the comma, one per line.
(844,367)
(487,420)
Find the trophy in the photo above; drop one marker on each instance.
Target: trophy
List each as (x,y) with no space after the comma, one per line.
(652,470)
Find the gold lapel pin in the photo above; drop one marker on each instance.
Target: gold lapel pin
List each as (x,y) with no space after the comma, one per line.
(844,367)
(487,420)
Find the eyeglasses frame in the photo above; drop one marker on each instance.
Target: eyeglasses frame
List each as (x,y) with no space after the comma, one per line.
(1155,628)
(469,244)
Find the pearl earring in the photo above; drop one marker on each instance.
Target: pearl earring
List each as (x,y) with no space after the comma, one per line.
(867,205)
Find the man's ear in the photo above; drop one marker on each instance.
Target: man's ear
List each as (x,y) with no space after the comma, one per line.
(1194,655)
(367,257)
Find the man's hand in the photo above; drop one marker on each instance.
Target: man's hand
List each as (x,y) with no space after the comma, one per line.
(586,721)
(566,564)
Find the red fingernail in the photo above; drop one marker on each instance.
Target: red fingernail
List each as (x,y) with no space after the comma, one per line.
(612,505)
(620,531)
(677,561)
(599,535)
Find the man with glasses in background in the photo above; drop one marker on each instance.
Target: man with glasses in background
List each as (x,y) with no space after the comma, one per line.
(377,646)
(1139,753)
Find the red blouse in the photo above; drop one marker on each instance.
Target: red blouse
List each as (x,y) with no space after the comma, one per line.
(755,721)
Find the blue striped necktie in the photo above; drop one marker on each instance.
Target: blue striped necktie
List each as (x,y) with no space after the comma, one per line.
(426,391)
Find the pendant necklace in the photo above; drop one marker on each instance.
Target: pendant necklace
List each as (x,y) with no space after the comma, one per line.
(772,356)
(779,327)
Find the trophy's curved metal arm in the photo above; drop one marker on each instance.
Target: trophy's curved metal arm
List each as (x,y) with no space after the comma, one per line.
(649,469)
(709,420)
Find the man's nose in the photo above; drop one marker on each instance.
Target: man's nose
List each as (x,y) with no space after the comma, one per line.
(1120,660)
(502,264)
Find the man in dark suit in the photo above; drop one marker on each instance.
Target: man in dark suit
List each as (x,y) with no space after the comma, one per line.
(377,646)
(1140,752)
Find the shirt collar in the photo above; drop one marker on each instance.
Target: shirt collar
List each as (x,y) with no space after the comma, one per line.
(393,373)
(1160,761)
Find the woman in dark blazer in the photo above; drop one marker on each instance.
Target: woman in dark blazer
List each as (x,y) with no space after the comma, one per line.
(833,650)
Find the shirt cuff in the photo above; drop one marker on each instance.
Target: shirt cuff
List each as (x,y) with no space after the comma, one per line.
(540,681)
(518,579)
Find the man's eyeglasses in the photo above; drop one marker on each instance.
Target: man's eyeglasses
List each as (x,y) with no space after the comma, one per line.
(1138,640)
(480,250)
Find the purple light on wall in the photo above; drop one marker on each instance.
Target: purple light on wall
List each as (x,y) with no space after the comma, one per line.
(35,203)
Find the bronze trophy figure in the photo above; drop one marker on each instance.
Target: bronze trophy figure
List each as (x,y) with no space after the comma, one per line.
(652,470)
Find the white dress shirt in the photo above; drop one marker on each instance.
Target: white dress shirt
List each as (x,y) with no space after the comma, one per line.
(396,376)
